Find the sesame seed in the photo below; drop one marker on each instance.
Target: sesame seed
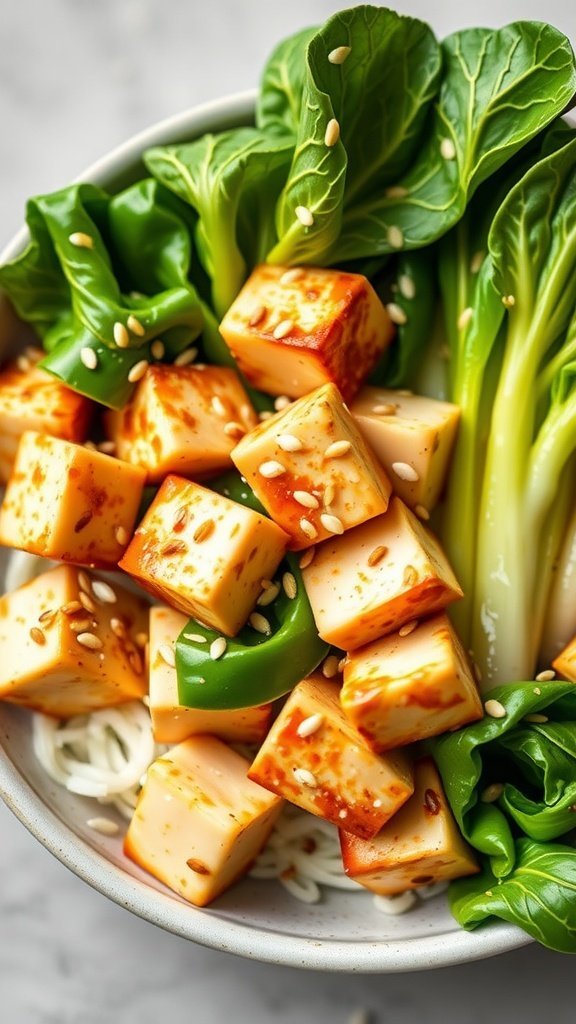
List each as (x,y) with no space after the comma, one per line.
(88,358)
(408,628)
(396,192)
(410,576)
(84,582)
(260,623)
(405,471)
(339,54)
(395,236)
(186,357)
(492,793)
(406,286)
(118,627)
(289,443)
(331,523)
(218,406)
(282,402)
(121,336)
(447,149)
(158,349)
(396,313)
(377,555)
(196,638)
(329,494)
(80,625)
(258,315)
(89,640)
(292,275)
(284,328)
(494,709)
(204,530)
(266,414)
(23,364)
(306,499)
(268,595)
(384,410)
(310,725)
(138,371)
(234,429)
(290,586)
(464,318)
(48,616)
(166,652)
(337,449)
(141,639)
(330,666)
(332,133)
(105,826)
(422,512)
(133,324)
(304,777)
(107,447)
(537,691)
(476,262)
(218,648)
(121,535)
(71,608)
(307,558)
(81,240)
(103,592)
(308,529)
(37,636)
(305,216)
(508,301)
(271,469)
(536,718)
(87,602)
(546,676)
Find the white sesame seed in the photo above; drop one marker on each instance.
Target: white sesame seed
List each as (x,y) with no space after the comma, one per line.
(464,318)
(234,429)
(342,664)
(121,535)
(546,675)
(537,691)
(265,415)
(377,554)
(138,371)
(337,449)
(422,512)
(308,529)
(186,357)
(307,558)
(117,626)
(133,324)
(396,192)
(447,149)
(289,443)
(305,216)
(330,666)
(508,301)
(405,471)
(384,410)
(282,329)
(289,584)
(105,826)
(407,286)
(306,499)
(166,652)
(103,592)
(396,313)
(260,623)
(84,582)
(395,236)
(536,718)
(331,523)
(196,638)
(339,54)
(107,447)
(292,275)
(258,315)
(305,778)
(121,336)
(494,709)
(89,358)
(218,648)
(476,262)
(282,402)
(408,628)
(268,595)
(158,349)
(271,469)
(329,495)
(310,725)
(492,793)
(218,406)
(37,636)
(332,133)
(89,640)
(81,240)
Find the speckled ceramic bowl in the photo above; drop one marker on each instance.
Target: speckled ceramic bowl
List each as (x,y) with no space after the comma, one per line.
(255,919)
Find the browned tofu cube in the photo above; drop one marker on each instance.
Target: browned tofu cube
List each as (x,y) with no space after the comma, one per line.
(293,329)
(69,503)
(171,722)
(565,663)
(200,822)
(421,845)
(410,685)
(312,470)
(71,643)
(412,436)
(378,577)
(31,399)
(314,757)
(204,554)
(182,420)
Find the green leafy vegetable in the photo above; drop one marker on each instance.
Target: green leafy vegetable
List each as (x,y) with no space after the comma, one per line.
(415,294)
(280,97)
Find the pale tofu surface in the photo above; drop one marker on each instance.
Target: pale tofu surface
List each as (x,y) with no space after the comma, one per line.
(200,822)
(351,486)
(377,577)
(334,328)
(69,503)
(345,782)
(171,721)
(565,663)
(421,845)
(204,554)
(182,420)
(401,689)
(409,430)
(44,663)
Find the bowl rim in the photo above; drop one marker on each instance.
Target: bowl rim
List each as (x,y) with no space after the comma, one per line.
(243,939)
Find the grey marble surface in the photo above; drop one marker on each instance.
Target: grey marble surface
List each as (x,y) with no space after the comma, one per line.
(76,78)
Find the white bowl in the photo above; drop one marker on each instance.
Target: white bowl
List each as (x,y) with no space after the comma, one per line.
(254,919)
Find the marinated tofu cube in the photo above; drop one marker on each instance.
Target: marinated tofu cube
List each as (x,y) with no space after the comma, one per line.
(565,663)
(314,757)
(421,845)
(204,554)
(71,643)
(200,822)
(69,503)
(312,470)
(31,399)
(378,577)
(182,420)
(293,329)
(413,437)
(410,685)
(171,722)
